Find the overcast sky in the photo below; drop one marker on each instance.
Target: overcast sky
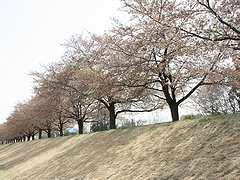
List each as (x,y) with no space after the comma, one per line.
(31,32)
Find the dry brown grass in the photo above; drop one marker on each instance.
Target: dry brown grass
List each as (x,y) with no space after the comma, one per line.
(193,149)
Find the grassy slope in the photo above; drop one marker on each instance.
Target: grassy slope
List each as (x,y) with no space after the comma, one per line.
(191,149)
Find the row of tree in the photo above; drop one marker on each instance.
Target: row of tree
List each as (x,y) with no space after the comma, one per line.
(165,53)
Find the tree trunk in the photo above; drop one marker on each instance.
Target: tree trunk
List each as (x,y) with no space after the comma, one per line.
(80,126)
(49,133)
(112,115)
(174,111)
(111,110)
(172,103)
(40,134)
(61,129)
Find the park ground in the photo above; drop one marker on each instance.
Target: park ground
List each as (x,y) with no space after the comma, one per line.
(205,148)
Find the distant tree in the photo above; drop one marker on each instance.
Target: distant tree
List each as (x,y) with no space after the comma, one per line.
(216,99)
(61,121)
(44,113)
(94,55)
(69,88)
(234,98)
(54,99)
(4,133)
(21,121)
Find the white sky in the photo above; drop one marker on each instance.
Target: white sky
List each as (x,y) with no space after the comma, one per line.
(30,35)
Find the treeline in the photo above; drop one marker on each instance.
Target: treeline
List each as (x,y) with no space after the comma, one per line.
(167,52)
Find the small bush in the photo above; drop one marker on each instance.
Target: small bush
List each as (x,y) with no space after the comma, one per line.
(100,126)
(189,116)
(128,124)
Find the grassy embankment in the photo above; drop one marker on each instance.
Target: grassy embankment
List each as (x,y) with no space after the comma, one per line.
(207,148)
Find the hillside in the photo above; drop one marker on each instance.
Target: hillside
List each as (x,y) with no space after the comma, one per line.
(206,148)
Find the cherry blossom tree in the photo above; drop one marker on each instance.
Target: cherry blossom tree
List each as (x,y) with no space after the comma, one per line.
(169,60)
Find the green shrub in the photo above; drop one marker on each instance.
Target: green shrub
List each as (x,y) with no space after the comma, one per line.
(189,116)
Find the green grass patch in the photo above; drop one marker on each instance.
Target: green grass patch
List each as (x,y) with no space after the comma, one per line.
(3,174)
(222,117)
